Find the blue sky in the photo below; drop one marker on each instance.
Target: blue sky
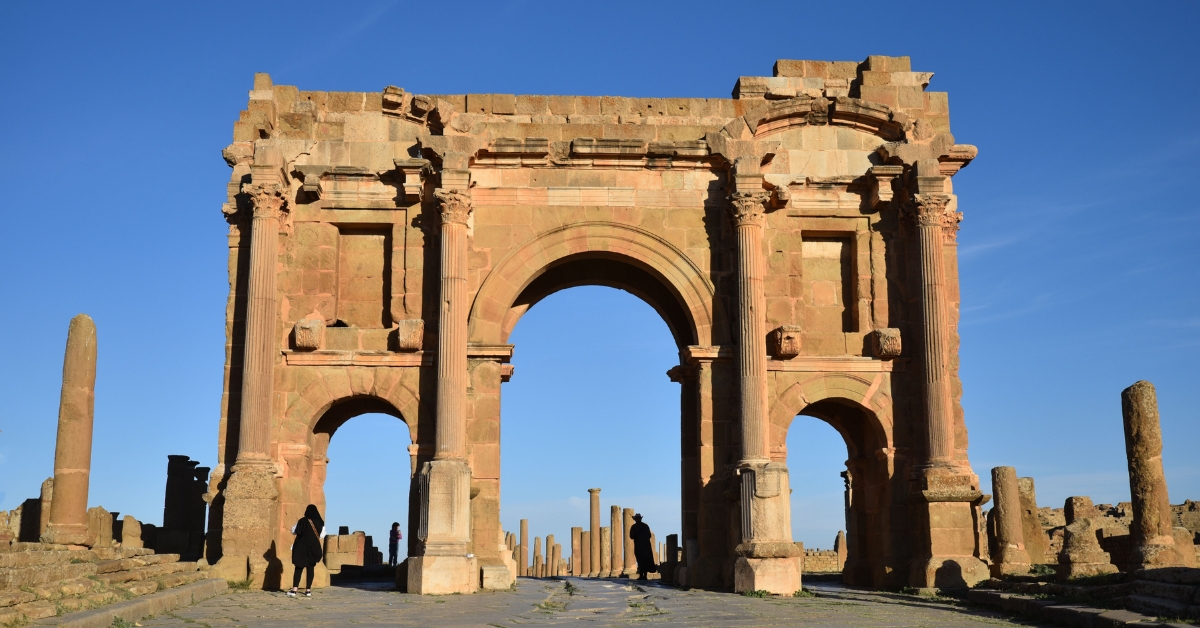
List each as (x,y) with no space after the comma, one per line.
(1078,252)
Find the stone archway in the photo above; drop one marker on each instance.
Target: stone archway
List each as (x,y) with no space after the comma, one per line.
(602,253)
(842,401)
(384,244)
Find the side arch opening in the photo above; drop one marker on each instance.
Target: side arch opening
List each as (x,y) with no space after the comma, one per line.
(865,481)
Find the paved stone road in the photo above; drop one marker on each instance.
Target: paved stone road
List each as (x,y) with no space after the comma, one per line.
(572,601)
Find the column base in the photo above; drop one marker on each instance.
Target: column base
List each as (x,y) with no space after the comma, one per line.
(496,578)
(778,576)
(1009,569)
(948,572)
(68,534)
(442,575)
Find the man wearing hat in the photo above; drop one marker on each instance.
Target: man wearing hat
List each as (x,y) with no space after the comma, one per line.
(642,549)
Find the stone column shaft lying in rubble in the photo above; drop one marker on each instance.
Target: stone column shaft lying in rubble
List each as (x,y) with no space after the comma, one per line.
(616,562)
(1154,540)
(594,522)
(1011,557)
(630,559)
(248,521)
(765,555)
(945,488)
(444,565)
(68,524)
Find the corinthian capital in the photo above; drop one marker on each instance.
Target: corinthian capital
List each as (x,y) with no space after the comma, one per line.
(269,198)
(746,208)
(933,210)
(454,205)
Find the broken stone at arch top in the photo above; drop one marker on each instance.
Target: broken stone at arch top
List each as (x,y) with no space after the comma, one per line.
(384,244)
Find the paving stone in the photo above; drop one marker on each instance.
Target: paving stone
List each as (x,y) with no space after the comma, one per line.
(591,602)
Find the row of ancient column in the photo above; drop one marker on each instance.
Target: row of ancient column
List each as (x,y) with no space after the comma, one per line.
(598,552)
(1155,542)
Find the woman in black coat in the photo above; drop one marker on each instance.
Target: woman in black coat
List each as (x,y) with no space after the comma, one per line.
(306,549)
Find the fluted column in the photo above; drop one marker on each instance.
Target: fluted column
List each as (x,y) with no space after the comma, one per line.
(932,221)
(455,207)
(249,515)
(254,430)
(747,212)
(447,563)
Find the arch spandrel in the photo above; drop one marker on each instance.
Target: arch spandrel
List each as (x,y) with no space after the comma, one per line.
(490,318)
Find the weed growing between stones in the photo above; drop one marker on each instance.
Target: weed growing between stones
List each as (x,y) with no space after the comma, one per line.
(757,593)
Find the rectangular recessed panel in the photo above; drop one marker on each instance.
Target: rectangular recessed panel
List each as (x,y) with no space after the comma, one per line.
(828,284)
(363,278)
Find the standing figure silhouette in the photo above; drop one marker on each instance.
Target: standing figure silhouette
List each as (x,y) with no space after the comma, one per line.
(642,550)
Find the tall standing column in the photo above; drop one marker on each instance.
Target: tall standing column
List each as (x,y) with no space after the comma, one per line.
(523,568)
(446,564)
(73,451)
(1011,557)
(945,489)
(747,209)
(594,548)
(765,554)
(249,517)
(1154,542)
(616,561)
(932,220)
(576,551)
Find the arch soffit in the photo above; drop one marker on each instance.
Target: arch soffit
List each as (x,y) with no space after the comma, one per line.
(861,392)
(505,283)
(355,390)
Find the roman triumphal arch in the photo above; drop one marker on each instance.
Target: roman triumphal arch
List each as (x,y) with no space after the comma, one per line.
(797,238)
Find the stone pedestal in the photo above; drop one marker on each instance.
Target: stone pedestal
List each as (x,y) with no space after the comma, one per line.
(1010,557)
(779,576)
(1081,555)
(445,528)
(68,521)
(442,575)
(1153,539)
(945,527)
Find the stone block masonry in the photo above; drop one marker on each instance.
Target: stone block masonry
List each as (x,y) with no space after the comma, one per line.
(383,245)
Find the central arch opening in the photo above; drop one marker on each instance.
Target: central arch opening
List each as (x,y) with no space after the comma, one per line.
(589,404)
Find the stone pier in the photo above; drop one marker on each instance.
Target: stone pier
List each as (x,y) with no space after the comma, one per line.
(68,522)
(1011,557)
